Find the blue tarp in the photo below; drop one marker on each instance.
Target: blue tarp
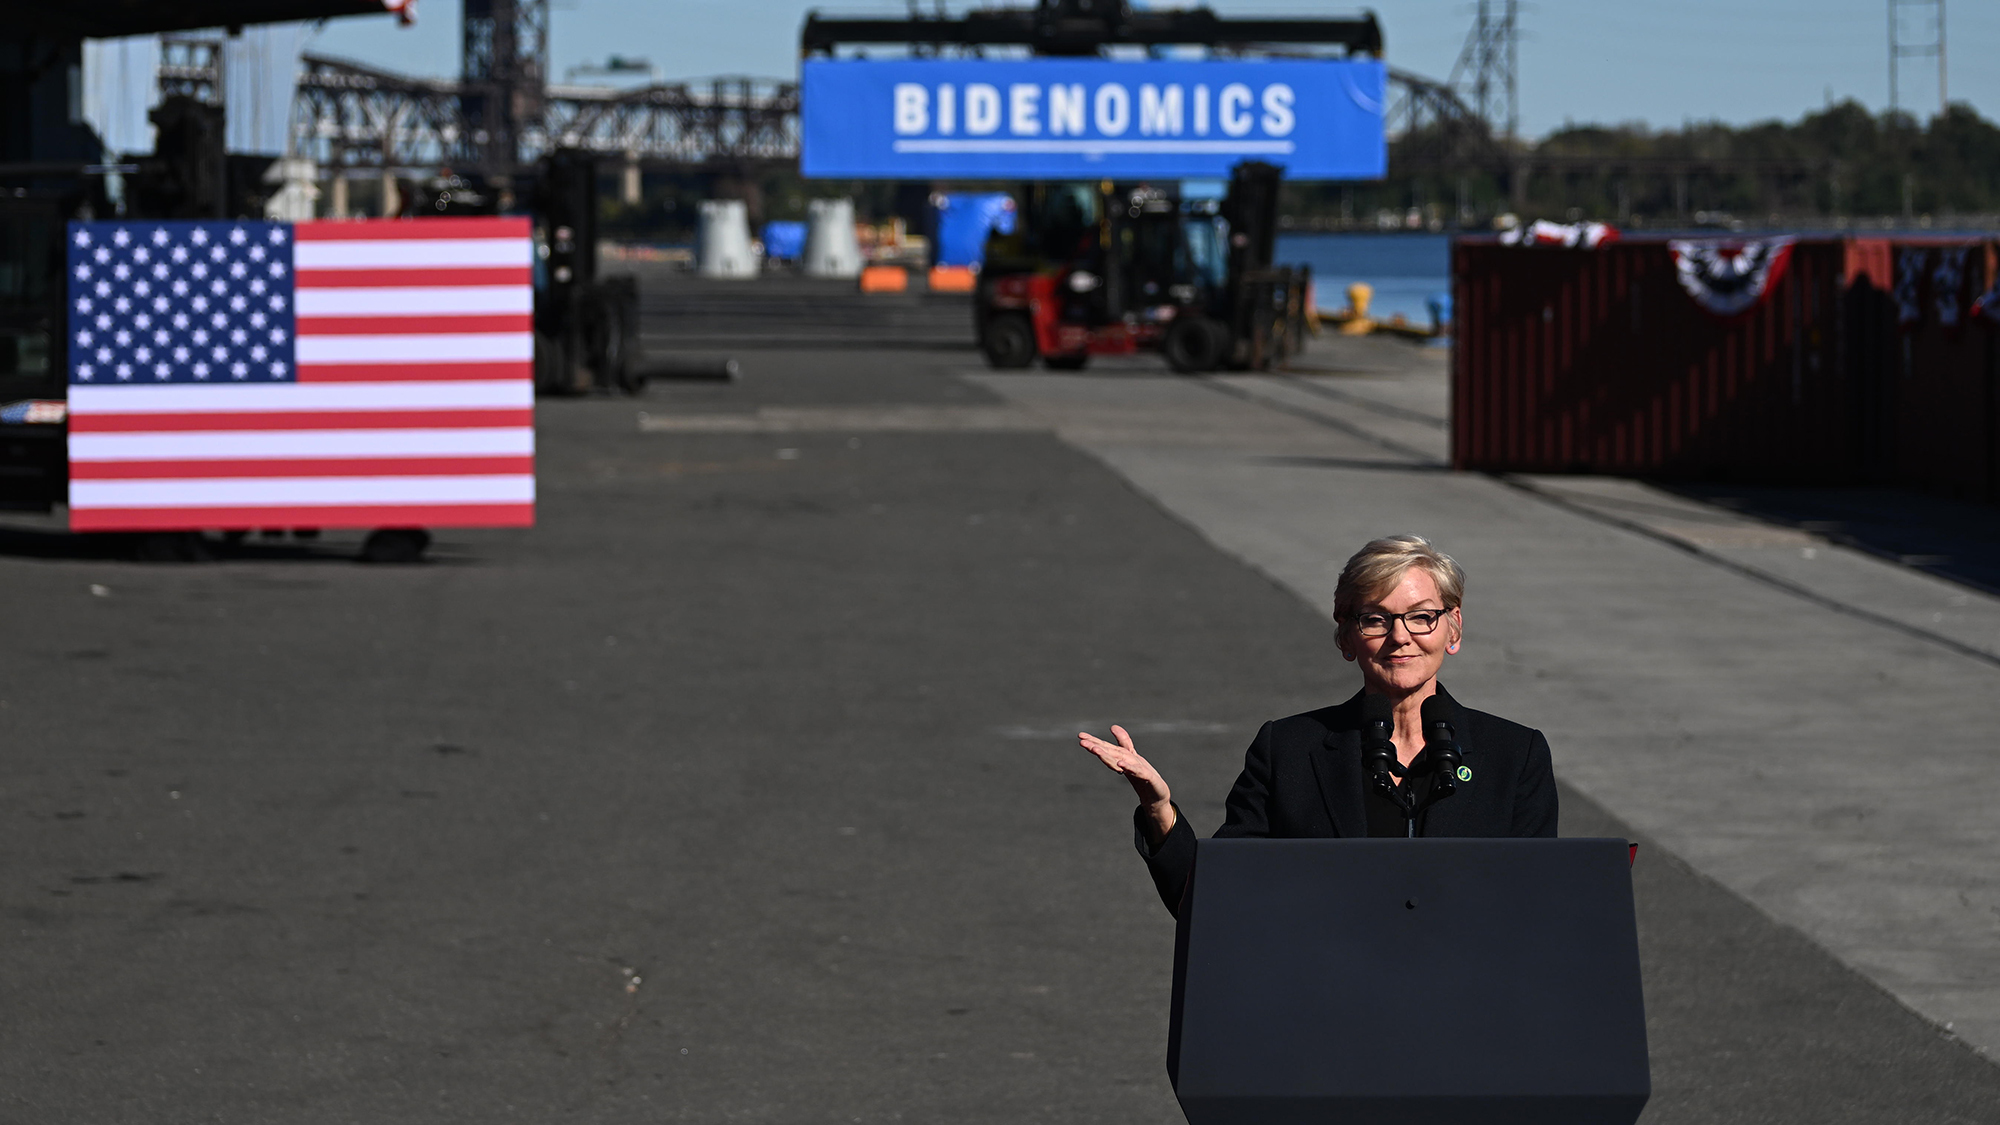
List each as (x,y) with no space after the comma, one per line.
(963,222)
(783,240)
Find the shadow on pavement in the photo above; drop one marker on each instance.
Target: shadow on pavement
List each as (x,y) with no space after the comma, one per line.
(1750,1021)
(1952,539)
(1308,462)
(164,547)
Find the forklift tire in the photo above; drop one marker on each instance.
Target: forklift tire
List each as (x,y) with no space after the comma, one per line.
(630,374)
(395,545)
(1074,362)
(612,339)
(552,374)
(604,341)
(1195,344)
(1009,342)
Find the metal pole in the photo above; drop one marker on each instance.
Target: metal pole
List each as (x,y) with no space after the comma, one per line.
(1942,102)
(1892,56)
(1513,75)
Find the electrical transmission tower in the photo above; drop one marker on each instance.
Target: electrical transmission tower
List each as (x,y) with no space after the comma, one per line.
(1921,38)
(1484,75)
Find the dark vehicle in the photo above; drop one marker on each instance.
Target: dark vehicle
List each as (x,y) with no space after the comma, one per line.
(1107,269)
(34,455)
(586,326)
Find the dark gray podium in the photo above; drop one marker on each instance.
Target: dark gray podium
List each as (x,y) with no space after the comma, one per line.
(1409,982)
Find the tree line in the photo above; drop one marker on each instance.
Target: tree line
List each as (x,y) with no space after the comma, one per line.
(1841,163)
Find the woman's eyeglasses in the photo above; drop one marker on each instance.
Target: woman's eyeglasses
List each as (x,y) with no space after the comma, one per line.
(1420,622)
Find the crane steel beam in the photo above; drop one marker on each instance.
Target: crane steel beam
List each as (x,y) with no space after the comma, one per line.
(1072,27)
(105,19)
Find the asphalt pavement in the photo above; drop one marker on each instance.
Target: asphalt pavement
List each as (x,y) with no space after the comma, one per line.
(741,788)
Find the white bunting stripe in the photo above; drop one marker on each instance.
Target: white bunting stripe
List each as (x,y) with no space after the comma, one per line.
(412,253)
(414,300)
(454,347)
(471,394)
(224,492)
(224,445)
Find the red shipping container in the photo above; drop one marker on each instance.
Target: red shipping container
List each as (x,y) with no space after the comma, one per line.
(1600,361)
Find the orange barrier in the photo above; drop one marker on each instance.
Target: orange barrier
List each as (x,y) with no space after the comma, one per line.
(885,279)
(952,279)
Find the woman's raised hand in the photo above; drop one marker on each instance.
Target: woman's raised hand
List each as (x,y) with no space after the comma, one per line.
(1146,781)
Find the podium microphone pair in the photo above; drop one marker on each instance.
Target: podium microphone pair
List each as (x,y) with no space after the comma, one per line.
(1378,755)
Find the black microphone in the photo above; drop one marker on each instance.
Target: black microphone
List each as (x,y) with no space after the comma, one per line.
(1378,741)
(1441,749)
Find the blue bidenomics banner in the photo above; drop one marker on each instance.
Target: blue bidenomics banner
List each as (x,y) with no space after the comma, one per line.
(1090,118)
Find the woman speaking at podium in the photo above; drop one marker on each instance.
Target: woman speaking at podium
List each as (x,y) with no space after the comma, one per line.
(1397,615)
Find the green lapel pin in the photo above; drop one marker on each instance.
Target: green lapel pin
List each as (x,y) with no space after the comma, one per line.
(1465,773)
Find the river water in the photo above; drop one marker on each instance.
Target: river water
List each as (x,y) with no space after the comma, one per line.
(1405,269)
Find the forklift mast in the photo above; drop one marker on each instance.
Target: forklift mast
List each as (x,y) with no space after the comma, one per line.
(1251,209)
(586,327)
(564,199)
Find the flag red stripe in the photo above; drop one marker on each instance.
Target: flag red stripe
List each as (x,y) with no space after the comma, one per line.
(301,515)
(412,372)
(182,421)
(406,325)
(336,230)
(371,279)
(302,467)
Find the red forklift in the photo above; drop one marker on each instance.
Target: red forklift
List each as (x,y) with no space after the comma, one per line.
(1115,269)
(1112,269)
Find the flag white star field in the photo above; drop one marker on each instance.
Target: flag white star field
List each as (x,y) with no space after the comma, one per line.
(240,375)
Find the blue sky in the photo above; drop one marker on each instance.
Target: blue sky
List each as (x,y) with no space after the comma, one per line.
(1662,62)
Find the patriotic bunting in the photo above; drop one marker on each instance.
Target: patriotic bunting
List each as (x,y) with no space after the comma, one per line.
(1730,277)
(1987,305)
(1908,293)
(1948,286)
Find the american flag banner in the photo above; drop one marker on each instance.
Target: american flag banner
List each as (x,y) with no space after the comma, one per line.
(242,375)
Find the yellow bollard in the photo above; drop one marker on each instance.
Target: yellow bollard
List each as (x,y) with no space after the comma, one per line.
(1354,318)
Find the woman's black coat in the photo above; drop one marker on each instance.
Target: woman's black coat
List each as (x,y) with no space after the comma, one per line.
(1302,779)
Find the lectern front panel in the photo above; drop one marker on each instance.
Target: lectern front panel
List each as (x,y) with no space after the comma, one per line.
(1419,982)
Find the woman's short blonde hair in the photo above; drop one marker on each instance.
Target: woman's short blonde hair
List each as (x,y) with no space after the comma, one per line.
(1380,565)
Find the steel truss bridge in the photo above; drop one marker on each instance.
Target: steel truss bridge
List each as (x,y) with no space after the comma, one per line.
(345,115)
